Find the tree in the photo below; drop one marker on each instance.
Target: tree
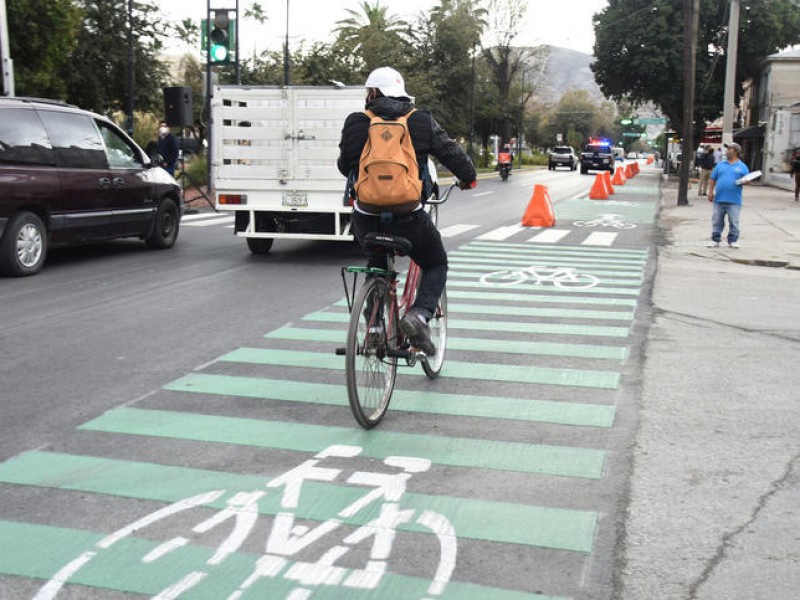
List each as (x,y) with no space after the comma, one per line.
(638,50)
(504,61)
(96,73)
(446,40)
(42,35)
(374,35)
(188,31)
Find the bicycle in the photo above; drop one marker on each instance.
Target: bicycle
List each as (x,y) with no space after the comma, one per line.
(560,277)
(374,342)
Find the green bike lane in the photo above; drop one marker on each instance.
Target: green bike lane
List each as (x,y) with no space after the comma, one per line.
(563,350)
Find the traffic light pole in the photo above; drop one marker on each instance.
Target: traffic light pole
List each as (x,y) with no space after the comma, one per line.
(6,64)
(209,96)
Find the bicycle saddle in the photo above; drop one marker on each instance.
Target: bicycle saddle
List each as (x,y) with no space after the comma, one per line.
(377,241)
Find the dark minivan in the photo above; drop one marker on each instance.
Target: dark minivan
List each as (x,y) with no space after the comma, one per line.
(69,176)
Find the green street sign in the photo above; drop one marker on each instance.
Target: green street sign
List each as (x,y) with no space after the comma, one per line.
(650,121)
(632,135)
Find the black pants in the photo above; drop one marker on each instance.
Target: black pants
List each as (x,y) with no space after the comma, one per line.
(428,251)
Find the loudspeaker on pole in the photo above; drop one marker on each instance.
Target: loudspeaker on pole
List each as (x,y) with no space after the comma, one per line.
(178,106)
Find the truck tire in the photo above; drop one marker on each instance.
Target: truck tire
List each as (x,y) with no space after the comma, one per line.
(24,245)
(584,170)
(259,245)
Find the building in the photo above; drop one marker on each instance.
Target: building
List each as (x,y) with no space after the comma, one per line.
(771,114)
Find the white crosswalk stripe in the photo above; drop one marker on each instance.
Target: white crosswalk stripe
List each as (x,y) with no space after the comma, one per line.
(212,221)
(600,238)
(501,233)
(549,236)
(454,230)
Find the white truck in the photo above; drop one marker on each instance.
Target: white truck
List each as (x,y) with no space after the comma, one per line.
(273,164)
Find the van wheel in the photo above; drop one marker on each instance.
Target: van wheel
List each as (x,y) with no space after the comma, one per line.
(165,228)
(24,245)
(259,245)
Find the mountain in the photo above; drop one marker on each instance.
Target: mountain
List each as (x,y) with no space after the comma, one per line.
(567,70)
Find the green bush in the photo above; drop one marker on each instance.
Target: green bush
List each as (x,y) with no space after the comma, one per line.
(197,169)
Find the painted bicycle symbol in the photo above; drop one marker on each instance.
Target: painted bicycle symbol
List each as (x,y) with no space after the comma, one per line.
(561,277)
(606,221)
(287,538)
(620,203)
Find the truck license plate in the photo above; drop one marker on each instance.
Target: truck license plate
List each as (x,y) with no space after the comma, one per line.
(295,200)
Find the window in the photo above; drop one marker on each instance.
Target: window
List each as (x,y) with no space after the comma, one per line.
(75,139)
(23,140)
(121,155)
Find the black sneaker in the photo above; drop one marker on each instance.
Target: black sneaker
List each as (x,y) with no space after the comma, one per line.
(418,332)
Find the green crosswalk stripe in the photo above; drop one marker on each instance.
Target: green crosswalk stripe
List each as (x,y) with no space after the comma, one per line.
(502,262)
(499,326)
(529,311)
(474,282)
(337,336)
(461,452)
(452,369)
(454,272)
(546,411)
(121,568)
(503,522)
(511,296)
(555,249)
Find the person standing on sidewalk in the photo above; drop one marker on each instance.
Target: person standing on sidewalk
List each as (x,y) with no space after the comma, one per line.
(726,195)
(796,174)
(706,164)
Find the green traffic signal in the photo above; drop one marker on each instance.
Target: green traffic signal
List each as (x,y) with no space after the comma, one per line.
(221,38)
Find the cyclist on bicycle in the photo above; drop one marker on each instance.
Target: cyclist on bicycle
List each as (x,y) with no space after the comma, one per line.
(387,98)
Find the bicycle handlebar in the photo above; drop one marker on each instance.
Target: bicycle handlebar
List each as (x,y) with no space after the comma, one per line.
(456,184)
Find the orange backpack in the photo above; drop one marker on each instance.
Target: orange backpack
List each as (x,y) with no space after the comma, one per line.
(388,174)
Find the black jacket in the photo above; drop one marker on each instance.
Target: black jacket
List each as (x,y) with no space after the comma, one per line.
(427,136)
(707,161)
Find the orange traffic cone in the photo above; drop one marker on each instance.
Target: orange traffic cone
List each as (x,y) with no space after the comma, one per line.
(619,177)
(636,168)
(540,209)
(628,171)
(607,181)
(598,191)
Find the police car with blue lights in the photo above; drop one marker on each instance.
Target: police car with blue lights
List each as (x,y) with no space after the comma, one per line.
(597,155)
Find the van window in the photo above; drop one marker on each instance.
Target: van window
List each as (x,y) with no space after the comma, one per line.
(23,140)
(120,154)
(75,139)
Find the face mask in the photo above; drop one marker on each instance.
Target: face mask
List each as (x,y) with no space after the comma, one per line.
(163,130)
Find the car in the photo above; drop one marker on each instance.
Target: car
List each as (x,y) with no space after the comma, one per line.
(71,176)
(562,156)
(597,155)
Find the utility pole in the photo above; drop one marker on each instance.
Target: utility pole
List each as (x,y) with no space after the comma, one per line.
(6,64)
(691,17)
(129,102)
(729,102)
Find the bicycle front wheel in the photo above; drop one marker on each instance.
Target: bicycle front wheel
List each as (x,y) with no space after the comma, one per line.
(438,324)
(369,370)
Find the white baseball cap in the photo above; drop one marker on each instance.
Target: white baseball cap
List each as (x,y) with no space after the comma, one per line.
(388,81)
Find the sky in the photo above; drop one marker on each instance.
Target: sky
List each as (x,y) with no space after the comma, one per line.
(564,23)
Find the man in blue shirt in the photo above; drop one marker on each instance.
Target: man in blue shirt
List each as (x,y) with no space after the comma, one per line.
(726,195)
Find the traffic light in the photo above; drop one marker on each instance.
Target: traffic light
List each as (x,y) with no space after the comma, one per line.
(221,38)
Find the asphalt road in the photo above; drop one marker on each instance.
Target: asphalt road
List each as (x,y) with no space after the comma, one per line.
(134,379)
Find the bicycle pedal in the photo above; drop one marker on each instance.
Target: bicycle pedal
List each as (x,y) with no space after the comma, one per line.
(341,351)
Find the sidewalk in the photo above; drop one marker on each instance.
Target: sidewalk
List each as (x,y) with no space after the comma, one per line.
(714,506)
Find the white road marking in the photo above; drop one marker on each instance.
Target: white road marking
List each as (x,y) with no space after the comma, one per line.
(600,238)
(482,194)
(501,233)
(549,236)
(455,230)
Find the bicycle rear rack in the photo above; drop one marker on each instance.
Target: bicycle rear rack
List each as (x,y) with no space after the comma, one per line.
(350,291)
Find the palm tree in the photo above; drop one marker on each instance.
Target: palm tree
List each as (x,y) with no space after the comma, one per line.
(187,31)
(373,34)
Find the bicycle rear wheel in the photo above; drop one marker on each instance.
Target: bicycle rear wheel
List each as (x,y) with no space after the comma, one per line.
(438,324)
(369,371)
